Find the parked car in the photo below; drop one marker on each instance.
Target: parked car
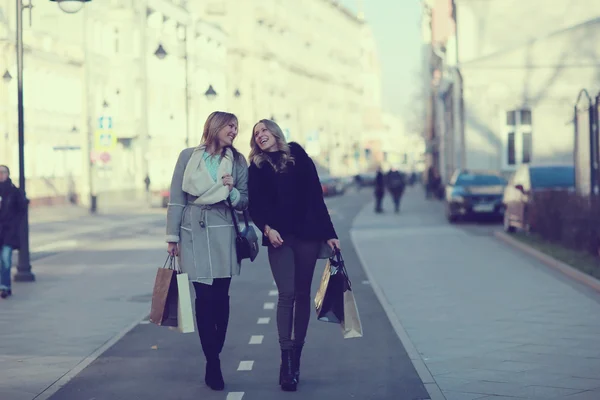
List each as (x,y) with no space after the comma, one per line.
(474,194)
(528,180)
(332,186)
(365,180)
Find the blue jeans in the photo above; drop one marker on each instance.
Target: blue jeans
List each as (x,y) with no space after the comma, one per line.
(5,265)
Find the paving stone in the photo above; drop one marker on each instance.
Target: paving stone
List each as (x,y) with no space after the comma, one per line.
(478,311)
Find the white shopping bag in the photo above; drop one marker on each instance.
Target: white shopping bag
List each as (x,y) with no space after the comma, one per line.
(185,310)
(351,325)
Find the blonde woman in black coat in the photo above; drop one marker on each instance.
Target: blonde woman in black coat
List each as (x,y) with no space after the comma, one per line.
(286,204)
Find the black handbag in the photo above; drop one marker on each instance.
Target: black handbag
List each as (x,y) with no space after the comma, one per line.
(246,240)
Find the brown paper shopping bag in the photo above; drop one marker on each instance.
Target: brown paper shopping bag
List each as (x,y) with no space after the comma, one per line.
(164,307)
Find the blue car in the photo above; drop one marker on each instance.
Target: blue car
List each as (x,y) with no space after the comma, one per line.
(474,194)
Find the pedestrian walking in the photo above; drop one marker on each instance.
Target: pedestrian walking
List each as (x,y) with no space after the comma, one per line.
(13,206)
(379,190)
(396,183)
(200,229)
(286,204)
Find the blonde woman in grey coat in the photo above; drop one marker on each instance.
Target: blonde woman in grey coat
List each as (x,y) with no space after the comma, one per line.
(200,229)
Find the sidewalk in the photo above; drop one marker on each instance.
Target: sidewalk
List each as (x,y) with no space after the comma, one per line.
(64,212)
(482,319)
(74,308)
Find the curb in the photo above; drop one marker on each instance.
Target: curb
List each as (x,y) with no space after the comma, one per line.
(429,382)
(551,262)
(63,380)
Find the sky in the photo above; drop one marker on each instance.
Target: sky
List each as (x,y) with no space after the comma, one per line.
(396,26)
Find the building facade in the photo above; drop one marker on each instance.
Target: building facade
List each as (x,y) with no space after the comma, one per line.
(517,79)
(310,65)
(148,72)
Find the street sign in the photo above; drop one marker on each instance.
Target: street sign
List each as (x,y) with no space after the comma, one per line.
(105,140)
(105,122)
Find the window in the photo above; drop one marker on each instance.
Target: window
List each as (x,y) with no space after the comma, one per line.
(517,138)
(116,41)
(510,148)
(527,144)
(467,179)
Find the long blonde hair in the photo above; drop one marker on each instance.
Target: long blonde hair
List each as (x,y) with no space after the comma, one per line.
(259,157)
(216,121)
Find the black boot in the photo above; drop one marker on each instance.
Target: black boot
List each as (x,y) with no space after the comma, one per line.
(296,354)
(208,338)
(221,321)
(287,380)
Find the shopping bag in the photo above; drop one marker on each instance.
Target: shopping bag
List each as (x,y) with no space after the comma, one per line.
(351,325)
(329,300)
(163,310)
(185,310)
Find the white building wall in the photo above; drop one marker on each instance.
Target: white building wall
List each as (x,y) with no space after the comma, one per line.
(542,75)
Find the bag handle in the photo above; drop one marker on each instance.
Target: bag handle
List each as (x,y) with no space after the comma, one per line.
(235,222)
(173,265)
(340,265)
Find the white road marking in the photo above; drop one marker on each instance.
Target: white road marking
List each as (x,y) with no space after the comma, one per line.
(366,282)
(234,396)
(269,306)
(256,339)
(246,366)
(273,292)
(264,321)
(145,322)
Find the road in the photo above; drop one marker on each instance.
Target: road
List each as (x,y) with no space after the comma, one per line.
(155,362)
(448,312)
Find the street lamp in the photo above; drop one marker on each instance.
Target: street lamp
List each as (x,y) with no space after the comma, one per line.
(24,273)
(7,77)
(210,93)
(237,93)
(160,52)
(71,6)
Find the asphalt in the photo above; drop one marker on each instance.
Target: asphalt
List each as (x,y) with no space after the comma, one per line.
(152,362)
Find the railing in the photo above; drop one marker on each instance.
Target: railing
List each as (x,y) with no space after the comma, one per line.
(586,149)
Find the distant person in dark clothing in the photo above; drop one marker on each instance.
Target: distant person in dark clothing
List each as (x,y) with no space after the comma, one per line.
(379,190)
(358,181)
(433,181)
(413,178)
(396,183)
(12,209)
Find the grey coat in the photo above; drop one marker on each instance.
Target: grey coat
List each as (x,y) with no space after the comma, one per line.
(205,233)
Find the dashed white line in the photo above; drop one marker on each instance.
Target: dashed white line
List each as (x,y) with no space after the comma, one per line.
(245,366)
(256,339)
(145,322)
(235,396)
(269,306)
(273,292)
(366,282)
(263,320)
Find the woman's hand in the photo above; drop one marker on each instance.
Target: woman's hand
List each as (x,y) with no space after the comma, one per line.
(275,238)
(334,244)
(173,249)
(228,181)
